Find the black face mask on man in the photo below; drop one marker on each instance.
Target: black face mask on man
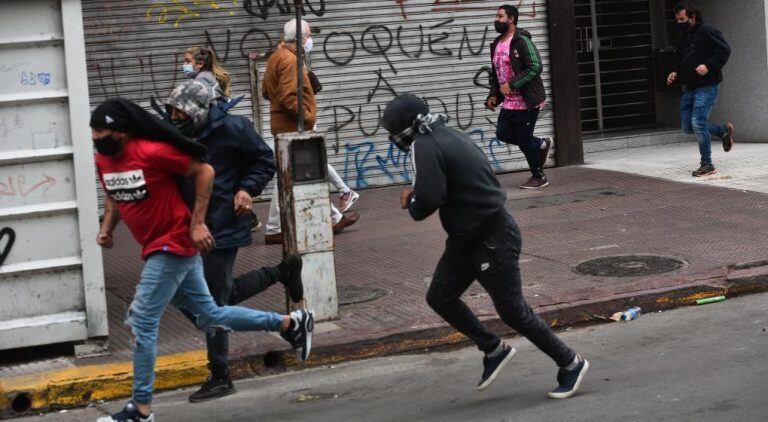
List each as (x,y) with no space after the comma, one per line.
(501,27)
(108,146)
(186,126)
(683,26)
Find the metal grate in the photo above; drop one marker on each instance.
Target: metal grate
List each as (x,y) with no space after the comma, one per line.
(615,65)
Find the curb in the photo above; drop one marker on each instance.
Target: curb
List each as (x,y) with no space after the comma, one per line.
(80,386)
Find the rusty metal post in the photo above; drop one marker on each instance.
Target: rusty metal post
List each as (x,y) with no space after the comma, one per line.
(306,219)
(300,66)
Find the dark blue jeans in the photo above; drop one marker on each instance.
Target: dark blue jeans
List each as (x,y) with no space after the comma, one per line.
(695,108)
(516,127)
(493,260)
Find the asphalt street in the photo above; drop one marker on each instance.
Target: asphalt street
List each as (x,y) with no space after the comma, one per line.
(705,363)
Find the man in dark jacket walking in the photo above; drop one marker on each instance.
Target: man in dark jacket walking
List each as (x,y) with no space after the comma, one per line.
(516,85)
(243,166)
(703,52)
(453,175)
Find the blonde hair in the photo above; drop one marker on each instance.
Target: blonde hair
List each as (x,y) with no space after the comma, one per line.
(207,57)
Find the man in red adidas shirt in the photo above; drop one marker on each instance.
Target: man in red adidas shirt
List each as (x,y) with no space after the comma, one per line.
(140,159)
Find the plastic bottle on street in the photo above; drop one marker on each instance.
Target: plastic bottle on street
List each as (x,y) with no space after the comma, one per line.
(628,315)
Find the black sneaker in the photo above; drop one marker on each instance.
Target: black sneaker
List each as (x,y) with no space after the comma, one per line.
(129,414)
(704,170)
(300,334)
(213,389)
(728,137)
(568,380)
(492,366)
(545,152)
(290,276)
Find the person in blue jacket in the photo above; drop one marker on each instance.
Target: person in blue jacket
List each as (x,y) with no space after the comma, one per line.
(244,164)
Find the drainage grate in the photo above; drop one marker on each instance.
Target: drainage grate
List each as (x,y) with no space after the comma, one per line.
(351,295)
(629,265)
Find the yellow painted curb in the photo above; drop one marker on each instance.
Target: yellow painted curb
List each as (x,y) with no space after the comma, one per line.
(80,385)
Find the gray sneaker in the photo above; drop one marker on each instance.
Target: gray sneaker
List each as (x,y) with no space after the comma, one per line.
(704,170)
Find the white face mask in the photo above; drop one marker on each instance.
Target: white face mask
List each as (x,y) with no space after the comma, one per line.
(188,69)
(308,45)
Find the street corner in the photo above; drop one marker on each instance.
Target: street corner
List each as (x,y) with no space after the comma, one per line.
(79,386)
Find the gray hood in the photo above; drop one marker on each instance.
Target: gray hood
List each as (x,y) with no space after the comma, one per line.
(194,99)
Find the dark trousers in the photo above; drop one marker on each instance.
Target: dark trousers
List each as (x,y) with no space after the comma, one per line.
(516,127)
(218,267)
(493,260)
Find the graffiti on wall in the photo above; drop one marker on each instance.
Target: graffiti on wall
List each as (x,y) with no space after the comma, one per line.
(385,48)
(18,185)
(7,237)
(176,12)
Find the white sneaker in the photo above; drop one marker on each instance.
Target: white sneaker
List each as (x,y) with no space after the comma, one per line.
(347,199)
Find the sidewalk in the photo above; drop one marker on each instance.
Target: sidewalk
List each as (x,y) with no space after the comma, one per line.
(742,168)
(585,214)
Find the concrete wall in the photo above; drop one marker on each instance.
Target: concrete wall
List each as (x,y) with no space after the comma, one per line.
(744,92)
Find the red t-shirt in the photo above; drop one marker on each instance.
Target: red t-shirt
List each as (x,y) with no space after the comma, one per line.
(143,181)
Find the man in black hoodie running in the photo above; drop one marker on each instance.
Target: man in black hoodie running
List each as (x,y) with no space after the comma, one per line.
(517,87)
(702,54)
(453,175)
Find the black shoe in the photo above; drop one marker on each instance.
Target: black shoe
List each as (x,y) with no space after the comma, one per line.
(545,151)
(492,366)
(300,333)
(569,380)
(290,277)
(728,137)
(213,389)
(129,414)
(704,170)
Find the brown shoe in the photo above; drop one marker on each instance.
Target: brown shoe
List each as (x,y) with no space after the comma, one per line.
(535,183)
(545,151)
(728,137)
(273,239)
(346,221)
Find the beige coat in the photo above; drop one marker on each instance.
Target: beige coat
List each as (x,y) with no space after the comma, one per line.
(279,86)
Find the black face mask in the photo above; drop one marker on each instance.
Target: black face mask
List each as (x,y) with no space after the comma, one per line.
(402,144)
(108,146)
(186,127)
(683,26)
(501,27)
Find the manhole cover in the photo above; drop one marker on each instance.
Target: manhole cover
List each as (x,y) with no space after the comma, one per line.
(351,295)
(629,265)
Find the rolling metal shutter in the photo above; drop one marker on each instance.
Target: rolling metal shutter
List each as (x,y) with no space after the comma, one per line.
(51,277)
(364,52)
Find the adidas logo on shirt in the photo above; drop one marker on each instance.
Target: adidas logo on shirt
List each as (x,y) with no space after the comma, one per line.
(129,186)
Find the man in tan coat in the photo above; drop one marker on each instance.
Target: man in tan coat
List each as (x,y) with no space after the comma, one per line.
(280,83)
(280,88)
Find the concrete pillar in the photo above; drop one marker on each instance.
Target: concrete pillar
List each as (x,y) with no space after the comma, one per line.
(744,92)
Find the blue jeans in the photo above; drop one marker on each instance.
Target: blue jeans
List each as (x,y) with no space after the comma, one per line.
(695,107)
(178,280)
